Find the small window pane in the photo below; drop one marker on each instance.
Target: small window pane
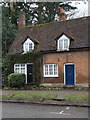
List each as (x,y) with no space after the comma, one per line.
(22,70)
(22,65)
(50,69)
(30,46)
(46,69)
(60,44)
(65,43)
(18,70)
(26,46)
(15,70)
(16,65)
(55,70)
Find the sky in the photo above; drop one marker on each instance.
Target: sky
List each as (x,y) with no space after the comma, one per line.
(82,8)
(81,11)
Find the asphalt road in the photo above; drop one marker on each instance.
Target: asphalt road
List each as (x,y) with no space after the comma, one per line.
(14,110)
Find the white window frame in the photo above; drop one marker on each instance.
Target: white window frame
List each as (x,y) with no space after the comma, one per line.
(52,75)
(26,45)
(63,38)
(19,67)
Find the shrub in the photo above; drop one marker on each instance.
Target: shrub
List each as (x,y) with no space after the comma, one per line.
(16,80)
(41,86)
(34,86)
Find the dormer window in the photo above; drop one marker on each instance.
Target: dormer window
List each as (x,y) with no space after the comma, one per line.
(28,45)
(63,43)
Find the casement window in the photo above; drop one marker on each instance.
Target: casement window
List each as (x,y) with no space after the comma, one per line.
(19,68)
(50,70)
(63,43)
(28,46)
(31,47)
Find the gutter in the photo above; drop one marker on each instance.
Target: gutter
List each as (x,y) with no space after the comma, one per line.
(70,50)
(45,103)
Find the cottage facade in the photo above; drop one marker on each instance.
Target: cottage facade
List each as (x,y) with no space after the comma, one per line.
(64,46)
(72,67)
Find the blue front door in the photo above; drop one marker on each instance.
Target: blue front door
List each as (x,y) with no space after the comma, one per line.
(69,74)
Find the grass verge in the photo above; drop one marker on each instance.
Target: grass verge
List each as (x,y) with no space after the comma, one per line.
(28,96)
(78,97)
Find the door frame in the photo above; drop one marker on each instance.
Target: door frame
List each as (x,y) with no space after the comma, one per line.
(65,73)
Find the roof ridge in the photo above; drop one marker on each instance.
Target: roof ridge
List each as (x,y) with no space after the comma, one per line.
(39,25)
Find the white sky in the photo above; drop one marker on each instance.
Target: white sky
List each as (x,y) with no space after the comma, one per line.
(82,8)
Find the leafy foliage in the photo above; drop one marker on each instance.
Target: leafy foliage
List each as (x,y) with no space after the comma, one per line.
(8,31)
(34,57)
(16,80)
(37,12)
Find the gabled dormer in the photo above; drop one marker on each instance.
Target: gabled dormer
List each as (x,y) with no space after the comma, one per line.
(63,42)
(28,45)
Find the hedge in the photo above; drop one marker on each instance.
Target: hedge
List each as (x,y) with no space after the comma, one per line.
(16,80)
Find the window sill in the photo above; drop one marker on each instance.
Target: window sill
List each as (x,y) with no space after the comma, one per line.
(62,49)
(50,76)
(27,52)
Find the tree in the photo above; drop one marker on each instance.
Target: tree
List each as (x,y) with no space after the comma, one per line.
(8,31)
(37,12)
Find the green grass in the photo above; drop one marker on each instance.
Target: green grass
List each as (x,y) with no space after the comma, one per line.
(29,96)
(74,97)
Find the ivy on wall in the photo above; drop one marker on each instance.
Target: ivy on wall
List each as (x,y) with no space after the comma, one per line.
(34,57)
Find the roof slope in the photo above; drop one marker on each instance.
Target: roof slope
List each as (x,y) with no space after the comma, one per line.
(47,33)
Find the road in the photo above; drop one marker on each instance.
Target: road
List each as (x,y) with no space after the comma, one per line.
(16,110)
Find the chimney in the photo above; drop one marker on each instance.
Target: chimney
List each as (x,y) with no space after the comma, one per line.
(62,16)
(22,21)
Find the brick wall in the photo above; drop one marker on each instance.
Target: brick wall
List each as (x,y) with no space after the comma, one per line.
(79,58)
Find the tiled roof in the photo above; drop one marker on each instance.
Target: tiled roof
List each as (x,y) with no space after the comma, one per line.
(47,33)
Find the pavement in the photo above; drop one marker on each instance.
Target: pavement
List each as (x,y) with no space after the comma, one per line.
(58,101)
